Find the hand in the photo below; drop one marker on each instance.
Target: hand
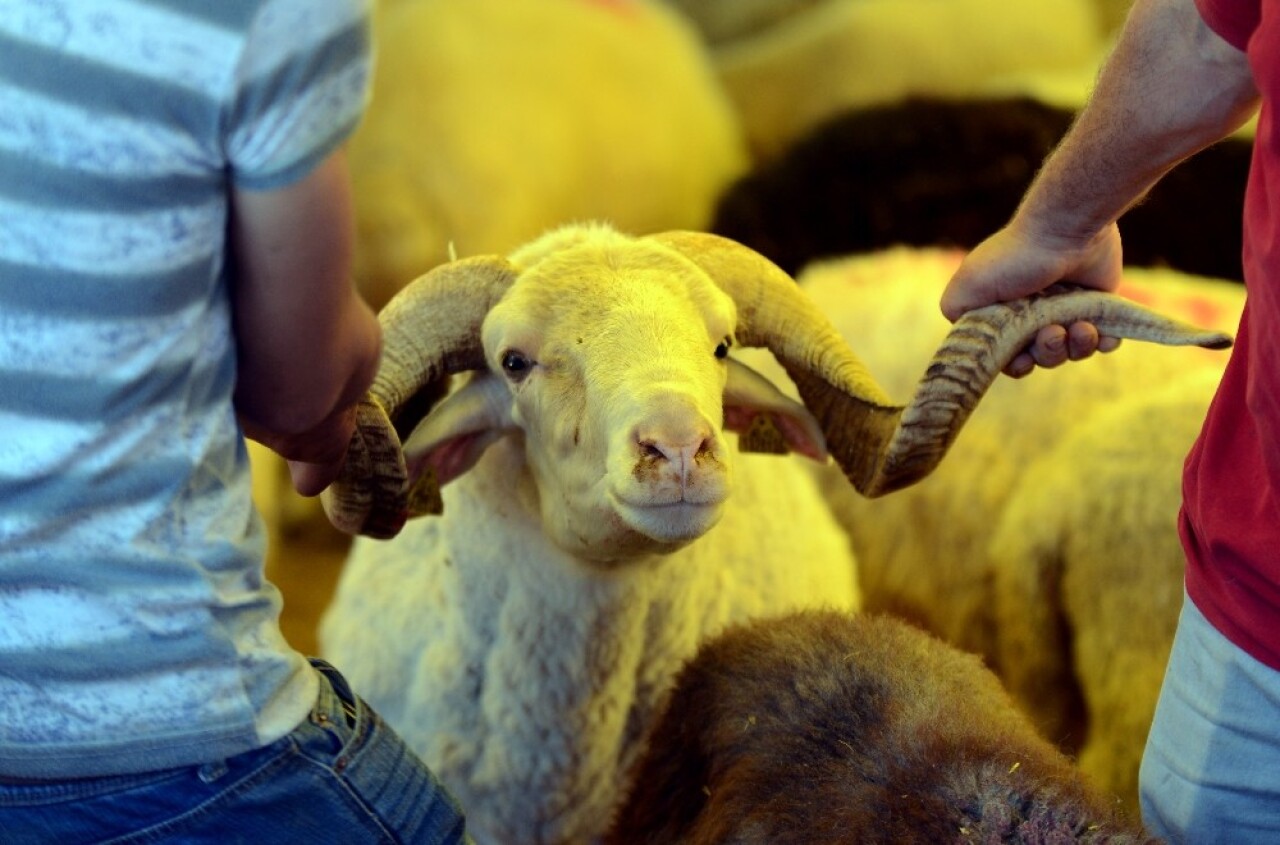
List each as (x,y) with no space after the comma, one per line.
(1055,345)
(315,456)
(1014,263)
(313,479)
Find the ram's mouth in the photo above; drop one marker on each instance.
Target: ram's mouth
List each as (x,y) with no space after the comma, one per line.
(675,522)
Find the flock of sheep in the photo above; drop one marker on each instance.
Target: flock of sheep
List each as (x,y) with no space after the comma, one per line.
(595,594)
(597,528)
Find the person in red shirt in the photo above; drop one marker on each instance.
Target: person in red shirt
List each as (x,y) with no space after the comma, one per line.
(1184,73)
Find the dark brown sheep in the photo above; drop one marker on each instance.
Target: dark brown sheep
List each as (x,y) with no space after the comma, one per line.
(825,727)
(929,171)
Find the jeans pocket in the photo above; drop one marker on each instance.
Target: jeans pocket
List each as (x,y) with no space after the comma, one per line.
(341,717)
(375,766)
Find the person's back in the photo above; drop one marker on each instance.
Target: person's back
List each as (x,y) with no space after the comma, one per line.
(139,633)
(127,542)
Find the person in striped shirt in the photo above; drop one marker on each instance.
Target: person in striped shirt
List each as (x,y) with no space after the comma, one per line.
(175,250)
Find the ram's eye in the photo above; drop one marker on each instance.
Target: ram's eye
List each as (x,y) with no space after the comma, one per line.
(516,364)
(722,350)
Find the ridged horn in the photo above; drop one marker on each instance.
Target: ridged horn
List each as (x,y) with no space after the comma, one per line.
(882,446)
(430,330)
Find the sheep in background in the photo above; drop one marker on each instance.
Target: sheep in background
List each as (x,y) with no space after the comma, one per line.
(830,728)
(492,121)
(723,23)
(942,172)
(926,553)
(589,541)
(1113,12)
(1086,617)
(922,172)
(824,58)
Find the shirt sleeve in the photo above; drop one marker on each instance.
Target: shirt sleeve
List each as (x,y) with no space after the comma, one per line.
(301,87)
(1234,20)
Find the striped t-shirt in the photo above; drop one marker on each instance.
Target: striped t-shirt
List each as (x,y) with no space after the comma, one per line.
(136,629)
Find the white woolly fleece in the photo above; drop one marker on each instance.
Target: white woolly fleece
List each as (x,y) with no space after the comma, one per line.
(528,681)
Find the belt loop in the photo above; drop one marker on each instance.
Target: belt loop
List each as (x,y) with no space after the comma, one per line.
(336,686)
(326,701)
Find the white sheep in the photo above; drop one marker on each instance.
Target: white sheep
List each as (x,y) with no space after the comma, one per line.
(834,55)
(1113,13)
(927,553)
(825,728)
(721,22)
(1088,576)
(492,121)
(589,541)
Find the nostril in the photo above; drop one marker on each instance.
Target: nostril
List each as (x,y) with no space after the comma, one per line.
(680,439)
(650,449)
(678,453)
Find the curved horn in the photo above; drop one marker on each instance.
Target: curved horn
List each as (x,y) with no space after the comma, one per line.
(882,446)
(430,329)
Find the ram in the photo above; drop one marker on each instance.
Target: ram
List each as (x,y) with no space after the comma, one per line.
(491,121)
(598,526)
(825,728)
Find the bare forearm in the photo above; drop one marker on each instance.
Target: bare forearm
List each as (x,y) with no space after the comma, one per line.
(1170,88)
(300,370)
(308,344)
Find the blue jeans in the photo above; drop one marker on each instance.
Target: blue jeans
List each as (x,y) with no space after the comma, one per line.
(1211,770)
(342,776)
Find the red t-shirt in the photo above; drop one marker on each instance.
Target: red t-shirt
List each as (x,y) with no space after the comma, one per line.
(1230,520)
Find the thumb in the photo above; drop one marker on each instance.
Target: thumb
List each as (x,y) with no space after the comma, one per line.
(312,479)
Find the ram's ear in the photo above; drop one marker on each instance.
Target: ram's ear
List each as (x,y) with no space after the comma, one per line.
(450,439)
(766,419)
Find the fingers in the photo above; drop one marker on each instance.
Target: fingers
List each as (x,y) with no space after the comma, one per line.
(957,300)
(1082,340)
(1108,344)
(318,455)
(1050,347)
(312,479)
(1048,350)
(1020,366)
(315,456)
(1055,345)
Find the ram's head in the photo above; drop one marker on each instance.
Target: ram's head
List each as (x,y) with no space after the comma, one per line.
(610,356)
